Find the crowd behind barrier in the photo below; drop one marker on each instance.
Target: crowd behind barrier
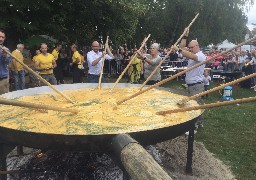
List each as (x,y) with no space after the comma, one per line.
(236,61)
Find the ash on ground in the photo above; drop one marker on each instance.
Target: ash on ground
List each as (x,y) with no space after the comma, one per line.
(171,155)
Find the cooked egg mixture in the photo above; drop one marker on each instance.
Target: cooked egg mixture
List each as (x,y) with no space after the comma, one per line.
(97,112)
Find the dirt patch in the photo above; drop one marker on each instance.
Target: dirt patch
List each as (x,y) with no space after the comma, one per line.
(205,165)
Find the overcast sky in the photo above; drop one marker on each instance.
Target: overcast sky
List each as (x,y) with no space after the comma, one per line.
(252,17)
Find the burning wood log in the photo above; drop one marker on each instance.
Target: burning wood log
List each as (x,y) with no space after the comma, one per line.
(136,160)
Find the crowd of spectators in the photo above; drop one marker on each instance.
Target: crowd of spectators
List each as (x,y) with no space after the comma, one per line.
(243,61)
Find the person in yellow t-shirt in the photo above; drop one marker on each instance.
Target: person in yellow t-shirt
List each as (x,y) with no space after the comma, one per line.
(56,50)
(58,70)
(45,63)
(37,52)
(135,69)
(76,65)
(17,69)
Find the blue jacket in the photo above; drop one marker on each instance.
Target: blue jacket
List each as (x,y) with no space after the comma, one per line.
(4,62)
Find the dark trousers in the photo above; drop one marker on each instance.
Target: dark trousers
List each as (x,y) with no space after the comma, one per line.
(94,78)
(151,82)
(77,74)
(58,72)
(206,88)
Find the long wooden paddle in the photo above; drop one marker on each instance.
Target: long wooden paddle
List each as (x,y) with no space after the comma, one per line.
(135,55)
(34,106)
(103,62)
(183,72)
(212,105)
(37,75)
(216,88)
(168,53)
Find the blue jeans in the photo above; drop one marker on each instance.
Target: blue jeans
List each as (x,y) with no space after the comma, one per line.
(50,78)
(94,78)
(19,80)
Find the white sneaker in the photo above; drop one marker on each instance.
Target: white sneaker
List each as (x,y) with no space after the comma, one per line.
(185,85)
(187,133)
(253,87)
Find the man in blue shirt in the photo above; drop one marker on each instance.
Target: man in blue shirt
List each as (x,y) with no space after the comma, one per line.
(5,59)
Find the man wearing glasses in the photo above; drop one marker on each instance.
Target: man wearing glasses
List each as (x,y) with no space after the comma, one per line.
(194,78)
(95,59)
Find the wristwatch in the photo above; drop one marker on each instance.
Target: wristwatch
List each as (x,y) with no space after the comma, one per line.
(145,57)
(180,50)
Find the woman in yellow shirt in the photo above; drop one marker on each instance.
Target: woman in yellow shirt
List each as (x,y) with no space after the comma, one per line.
(135,69)
(76,65)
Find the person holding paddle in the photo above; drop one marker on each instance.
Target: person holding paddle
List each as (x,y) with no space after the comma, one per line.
(45,62)
(5,59)
(194,78)
(151,62)
(95,60)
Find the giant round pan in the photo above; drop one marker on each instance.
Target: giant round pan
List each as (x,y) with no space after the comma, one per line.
(88,142)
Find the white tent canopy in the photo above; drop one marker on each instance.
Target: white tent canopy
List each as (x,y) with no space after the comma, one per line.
(225,45)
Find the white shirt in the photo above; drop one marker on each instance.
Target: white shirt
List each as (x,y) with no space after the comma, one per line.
(91,56)
(253,60)
(207,80)
(241,59)
(197,74)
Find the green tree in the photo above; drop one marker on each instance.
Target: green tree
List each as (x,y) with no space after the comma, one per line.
(218,20)
(125,21)
(69,20)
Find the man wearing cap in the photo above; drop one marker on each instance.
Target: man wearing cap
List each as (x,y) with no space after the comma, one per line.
(95,59)
(5,59)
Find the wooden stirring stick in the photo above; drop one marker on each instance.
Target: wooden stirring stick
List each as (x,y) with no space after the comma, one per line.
(34,106)
(183,72)
(212,105)
(40,77)
(120,77)
(216,88)
(102,67)
(167,55)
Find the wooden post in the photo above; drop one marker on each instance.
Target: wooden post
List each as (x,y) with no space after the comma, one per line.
(136,160)
(190,150)
(4,151)
(19,150)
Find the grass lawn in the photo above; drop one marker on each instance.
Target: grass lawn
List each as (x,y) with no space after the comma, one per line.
(230,132)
